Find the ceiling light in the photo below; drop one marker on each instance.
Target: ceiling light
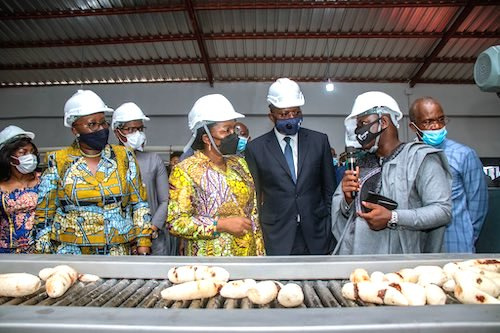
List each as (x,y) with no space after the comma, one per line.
(329,86)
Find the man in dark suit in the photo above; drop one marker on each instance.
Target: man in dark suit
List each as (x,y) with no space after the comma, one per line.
(294,178)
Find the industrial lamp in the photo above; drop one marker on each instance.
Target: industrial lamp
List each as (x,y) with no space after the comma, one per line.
(329,86)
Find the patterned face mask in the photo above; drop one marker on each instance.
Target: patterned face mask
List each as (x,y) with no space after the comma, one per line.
(288,126)
(363,134)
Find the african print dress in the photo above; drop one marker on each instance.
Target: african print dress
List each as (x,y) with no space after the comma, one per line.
(17,214)
(200,194)
(83,213)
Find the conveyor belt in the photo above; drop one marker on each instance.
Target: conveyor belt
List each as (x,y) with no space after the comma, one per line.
(127,298)
(140,293)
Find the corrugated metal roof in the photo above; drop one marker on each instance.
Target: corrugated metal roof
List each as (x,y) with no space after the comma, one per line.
(314,20)
(116,41)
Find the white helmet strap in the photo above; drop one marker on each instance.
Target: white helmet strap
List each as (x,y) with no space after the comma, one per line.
(211,138)
(374,148)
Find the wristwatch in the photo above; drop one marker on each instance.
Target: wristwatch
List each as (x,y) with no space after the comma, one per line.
(154,234)
(393,222)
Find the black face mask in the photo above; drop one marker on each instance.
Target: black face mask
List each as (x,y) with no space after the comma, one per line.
(95,140)
(229,144)
(363,134)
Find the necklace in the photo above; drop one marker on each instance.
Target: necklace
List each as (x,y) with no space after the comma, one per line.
(89,155)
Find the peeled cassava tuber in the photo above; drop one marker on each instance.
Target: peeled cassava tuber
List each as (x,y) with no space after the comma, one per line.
(45,273)
(88,278)
(493,276)
(431,275)
(393,278)
(414,293)
(450,269)
(215,273)
(237,288)
(449,286)
(435,295)
(477,281)
(192,290)
(359,275)
(377,277)
(377,293)
(60,280)
(468,294)
(18,284)
(263,292)
(408,275)
(492,265)
(291,295)
(197,272)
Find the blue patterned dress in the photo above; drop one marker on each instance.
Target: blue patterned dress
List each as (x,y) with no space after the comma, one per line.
(17,216)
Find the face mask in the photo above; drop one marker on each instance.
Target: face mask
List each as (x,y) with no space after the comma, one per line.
(95,140)
(288,126)
(433,137)
(229,145)
(135,140)
(335,161)
(27,163)
(242,144)
(364,136)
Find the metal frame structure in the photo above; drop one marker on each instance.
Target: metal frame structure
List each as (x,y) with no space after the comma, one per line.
(192,9)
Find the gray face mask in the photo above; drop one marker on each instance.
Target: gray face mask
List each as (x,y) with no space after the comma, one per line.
(27,163)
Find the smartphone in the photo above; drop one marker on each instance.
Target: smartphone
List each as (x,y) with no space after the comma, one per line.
(380,200)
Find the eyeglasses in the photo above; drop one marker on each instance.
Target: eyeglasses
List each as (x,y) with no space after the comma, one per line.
(94,126)
(287,114)
(440,121)
(133,129)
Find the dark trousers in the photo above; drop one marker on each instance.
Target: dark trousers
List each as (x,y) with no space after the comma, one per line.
(299,244)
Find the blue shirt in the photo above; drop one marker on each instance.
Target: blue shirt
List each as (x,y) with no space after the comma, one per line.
(469,197)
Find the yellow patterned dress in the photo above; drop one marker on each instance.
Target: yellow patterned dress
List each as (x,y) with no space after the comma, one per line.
(200,194)
(83,213)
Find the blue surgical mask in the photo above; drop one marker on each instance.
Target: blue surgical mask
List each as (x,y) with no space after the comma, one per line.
(288,126)
(433,137)
(242,144)
(335,161)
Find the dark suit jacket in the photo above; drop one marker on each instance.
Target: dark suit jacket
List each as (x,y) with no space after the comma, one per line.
(281,200)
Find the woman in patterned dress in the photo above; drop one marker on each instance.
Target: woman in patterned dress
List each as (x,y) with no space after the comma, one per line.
(18,190)
(212,195)
(91,197)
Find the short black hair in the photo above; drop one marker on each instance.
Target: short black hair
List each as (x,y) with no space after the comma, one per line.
(8,150)
(198,141)
(175,154)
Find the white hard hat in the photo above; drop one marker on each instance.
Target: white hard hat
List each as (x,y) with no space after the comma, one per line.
(83,103)
(374,102)
(127,112)
(211,108)
(285,93)
(10,132)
